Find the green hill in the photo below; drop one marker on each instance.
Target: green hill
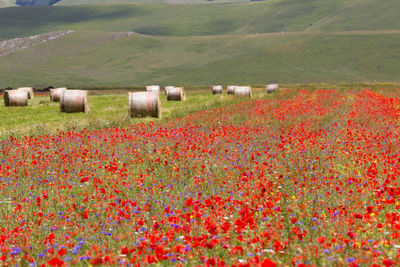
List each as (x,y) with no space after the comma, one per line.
(97,2)
(7,3)
(364,14)
(118,59)
(218,19)
(250,42)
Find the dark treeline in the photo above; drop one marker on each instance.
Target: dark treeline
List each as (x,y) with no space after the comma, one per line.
(36,2)
(35,89)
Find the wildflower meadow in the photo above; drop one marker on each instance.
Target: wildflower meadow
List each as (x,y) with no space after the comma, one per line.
(304,178)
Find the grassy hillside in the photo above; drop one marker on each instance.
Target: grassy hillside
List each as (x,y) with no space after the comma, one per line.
(187,20)
(7,3)
(290,41)
(97,2)
(113,59)
(365,14)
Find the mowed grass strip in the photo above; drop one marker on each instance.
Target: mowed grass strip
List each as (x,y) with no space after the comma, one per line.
(42,117)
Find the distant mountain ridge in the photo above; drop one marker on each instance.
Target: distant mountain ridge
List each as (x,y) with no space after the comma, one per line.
(36,2)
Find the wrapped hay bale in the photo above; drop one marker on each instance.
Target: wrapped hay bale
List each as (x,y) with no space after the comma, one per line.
(28,90)
(243,91)
(55,94)
(153,88)
(74,101)
(217,89)
(272,87)
(144,104)
(176,93)
(231,89)
(168,88)
(14,98)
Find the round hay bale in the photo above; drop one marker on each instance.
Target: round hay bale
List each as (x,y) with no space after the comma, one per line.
(74,101)
(243,91)
(168,88)
(272,87)
(28,90)
(217,89)
(144,104)
(55,94)
(153,88)
(14,98)
(176,93)
(231,89)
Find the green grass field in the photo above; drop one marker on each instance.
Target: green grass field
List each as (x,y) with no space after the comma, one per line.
(96,59)
(107,109)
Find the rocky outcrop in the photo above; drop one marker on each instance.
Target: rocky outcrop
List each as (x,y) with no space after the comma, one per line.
(10,46)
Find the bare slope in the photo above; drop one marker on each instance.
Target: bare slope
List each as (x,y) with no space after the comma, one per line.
(10,46)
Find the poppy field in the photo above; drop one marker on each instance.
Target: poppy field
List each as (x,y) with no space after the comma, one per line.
(303,178)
